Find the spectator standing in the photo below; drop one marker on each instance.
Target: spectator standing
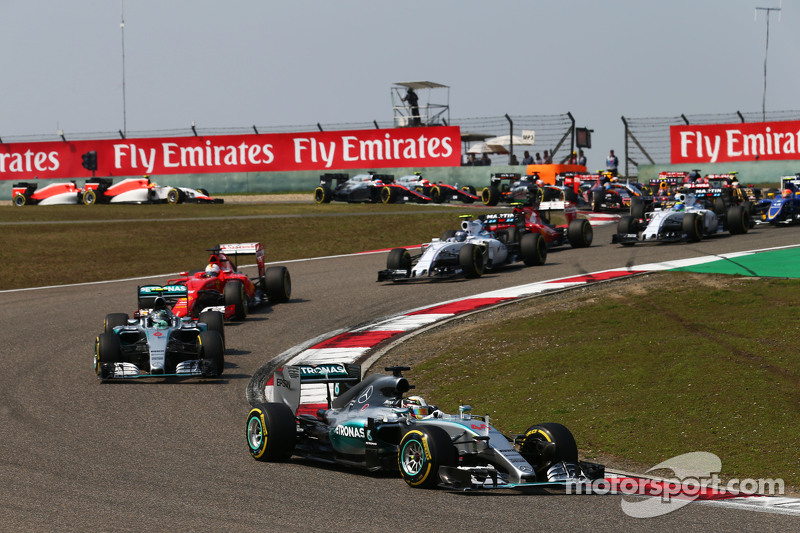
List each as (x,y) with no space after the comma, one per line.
(514,161)
(485,161)
(538,159)
(612,163)
(582,158)
(548,159)
(413,106)
(527,159)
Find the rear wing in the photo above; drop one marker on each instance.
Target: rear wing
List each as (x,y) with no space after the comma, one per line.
(328,179)
(170,294)
(287,381)
(497,178)
(233,250)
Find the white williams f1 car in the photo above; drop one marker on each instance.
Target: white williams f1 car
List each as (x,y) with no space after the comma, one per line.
(682,220)
(468,251)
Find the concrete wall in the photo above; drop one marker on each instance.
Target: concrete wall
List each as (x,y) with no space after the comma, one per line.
(749,172)
(266,182)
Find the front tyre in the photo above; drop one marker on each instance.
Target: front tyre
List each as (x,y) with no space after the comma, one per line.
(271,432)
(212,358)
(107,351)
(278,285)
(214,321)
(738,219)
(580,233)
(399,259)
(490,196)
(692,226)
(235,296)
(546,444)
(422,451)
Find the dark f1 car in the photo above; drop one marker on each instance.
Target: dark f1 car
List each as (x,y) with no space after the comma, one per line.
(372,425)
(157,343)
(440,192)
(370,187)
(522,189)
(222,287)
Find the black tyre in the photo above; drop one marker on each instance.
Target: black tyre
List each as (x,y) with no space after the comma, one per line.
(113,320)
(20,200)
(89,197)
(278,285)
(399,259)
(637,208)
(719,206)
(212,353)
(570,196)
(693,227)
(512,235)
(550,194)
(173,196)
(323,195)
(547,444)
(422,451)
(471,190)
(626,224)
(471,261)
(448,234)
(490,196)
(235,296)
(214,321)
(203,192)
(107,350)
(738,219)
(436,194)
(271,432)
(388,195)
(597,200)
(580,233)
(533,249)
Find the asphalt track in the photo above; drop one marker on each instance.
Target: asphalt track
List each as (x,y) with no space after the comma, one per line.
(78,455)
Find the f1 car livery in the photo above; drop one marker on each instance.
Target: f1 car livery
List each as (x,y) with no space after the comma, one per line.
(522,189)
(440,192)
(158,343)
(370,424)
(26,193)
(783,208)
(577,232)
(684,220)
(141,191)
(468,252)
(222,287)
(370,187)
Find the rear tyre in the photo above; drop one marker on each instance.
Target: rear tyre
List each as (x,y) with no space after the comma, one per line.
(547,444)
(214,321)
(271,432)
(113,320)
(388,195)
(533,249)
(470,259)
(490,196)
(89,197)
(212,358)
(278,285)
(173,196)
(738,219)
(719,206)
(20,200)
(235,296)
(422,451)
(323,195)
(597,200)
(399,259)
(692,226)
(436,194)
(580,233)
(471,190)
(108,350)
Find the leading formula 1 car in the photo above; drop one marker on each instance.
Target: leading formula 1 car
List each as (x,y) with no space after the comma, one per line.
(222,287)
(468,251)
(158,343)
(373,426)
(684,220)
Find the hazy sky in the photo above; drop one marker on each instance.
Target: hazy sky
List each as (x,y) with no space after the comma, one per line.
(238,63)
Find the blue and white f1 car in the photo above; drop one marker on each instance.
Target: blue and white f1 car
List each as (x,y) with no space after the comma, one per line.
(157,343)
(784,208)
(371,425)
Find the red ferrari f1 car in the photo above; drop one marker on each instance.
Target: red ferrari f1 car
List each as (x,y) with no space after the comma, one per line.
(222,287)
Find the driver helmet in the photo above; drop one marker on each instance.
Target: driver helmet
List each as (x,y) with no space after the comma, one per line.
(417,406)
(540,182)
(787,193)
(461,236)
(212,270)
(160,319)
(680,206)
(607,185)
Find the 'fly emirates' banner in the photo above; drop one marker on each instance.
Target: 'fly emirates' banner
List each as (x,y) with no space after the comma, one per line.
(400,147)
(722,143)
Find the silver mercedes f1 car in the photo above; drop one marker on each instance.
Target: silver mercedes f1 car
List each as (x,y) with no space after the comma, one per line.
(371,424)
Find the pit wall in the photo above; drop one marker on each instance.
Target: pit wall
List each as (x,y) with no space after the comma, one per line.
(274,182)
(749,172)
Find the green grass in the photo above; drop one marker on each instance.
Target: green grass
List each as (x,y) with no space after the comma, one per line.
(645,377)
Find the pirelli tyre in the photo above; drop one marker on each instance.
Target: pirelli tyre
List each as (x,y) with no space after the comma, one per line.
(436,194)
(490,196)
(580,233)
(399,259)
(214,321)
(271,432)
(89,197)
(388,195)
(20,200)
(692,226)
(738,219)
(598,197)
(235,296)
(469,189)
(422,451)
(212,353)
(533,249)
(278,284)
(571,196)
(175,196)
(544,445)
(107,351)
(471,260)
(323,195)
(637,207)
(113,320)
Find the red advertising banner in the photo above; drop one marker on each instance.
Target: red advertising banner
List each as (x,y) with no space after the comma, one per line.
(438,146)
(723,143)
